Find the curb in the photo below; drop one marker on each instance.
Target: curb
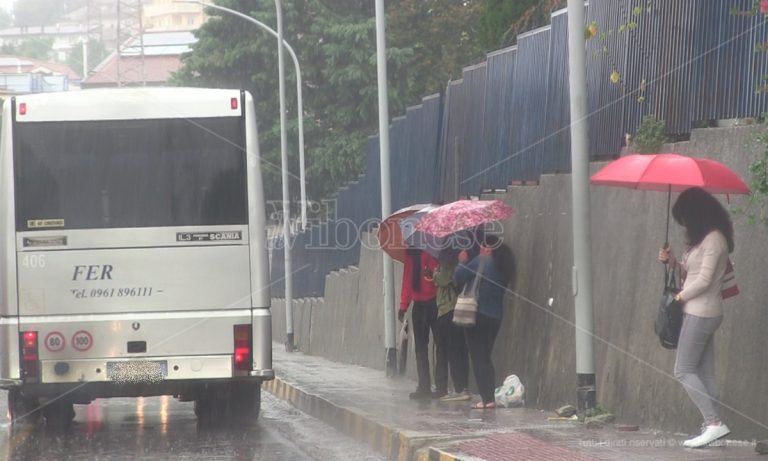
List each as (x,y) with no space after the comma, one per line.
(391,442)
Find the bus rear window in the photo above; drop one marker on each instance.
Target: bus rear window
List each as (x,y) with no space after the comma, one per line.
(130,173)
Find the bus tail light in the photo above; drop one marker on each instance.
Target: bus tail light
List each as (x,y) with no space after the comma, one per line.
(30,358)
(23,108)
(242,358)
(233,103)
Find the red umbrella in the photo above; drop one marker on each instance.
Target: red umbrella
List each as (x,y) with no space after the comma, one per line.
(462,214)
(669,172)
(391,234)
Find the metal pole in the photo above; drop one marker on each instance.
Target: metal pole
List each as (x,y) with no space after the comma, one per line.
(302,178)
(386,202)
(85,58)
(286,197)
(582,270)
(299,97)
(118,48)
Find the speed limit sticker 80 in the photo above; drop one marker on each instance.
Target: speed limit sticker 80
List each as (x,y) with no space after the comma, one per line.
(54,341)
(82,340)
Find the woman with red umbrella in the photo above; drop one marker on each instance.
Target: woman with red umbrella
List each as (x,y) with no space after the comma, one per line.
(709,235)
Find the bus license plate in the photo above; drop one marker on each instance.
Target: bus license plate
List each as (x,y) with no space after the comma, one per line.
(135,371)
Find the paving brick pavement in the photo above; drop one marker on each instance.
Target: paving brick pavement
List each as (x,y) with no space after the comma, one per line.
(517,446)
(374,409)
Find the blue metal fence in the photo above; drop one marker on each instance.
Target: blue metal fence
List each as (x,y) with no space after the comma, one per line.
(507,119)
(499,115)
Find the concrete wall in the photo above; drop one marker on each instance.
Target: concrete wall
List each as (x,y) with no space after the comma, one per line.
(634,374)
(346,325)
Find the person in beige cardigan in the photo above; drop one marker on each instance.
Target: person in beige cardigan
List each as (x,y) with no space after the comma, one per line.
(709,235)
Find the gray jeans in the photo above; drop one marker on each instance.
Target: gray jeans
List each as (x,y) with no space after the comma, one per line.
(695,363)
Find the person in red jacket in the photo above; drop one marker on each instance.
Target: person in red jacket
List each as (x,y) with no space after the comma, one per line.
(419,288)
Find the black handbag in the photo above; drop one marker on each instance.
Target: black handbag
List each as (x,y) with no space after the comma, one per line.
(669,319)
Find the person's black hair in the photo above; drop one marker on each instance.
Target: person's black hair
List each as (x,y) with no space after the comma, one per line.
(415,256)
(701,213)
(448,256)
(503,258)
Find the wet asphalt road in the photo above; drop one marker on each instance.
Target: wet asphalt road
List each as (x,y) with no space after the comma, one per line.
(161,428)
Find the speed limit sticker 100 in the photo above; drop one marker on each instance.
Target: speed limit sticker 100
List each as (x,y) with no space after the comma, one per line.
(54,341)
(82,340)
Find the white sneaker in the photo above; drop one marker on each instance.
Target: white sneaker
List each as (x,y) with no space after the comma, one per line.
(702,428)
(710,434)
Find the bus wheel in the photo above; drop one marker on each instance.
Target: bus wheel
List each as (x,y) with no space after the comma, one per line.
(23,410)
(203,408)
(59,413)
(245,401)
(211,405)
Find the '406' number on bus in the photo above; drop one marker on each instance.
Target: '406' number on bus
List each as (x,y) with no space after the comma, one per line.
(33,261)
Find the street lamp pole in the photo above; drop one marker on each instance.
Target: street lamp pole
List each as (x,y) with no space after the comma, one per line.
(386,193)
(582,267)
(289,346)
(289,342)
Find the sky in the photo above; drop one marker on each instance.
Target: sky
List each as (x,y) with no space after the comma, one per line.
(7,5)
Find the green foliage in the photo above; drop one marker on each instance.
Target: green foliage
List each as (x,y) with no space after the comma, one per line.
(36,48)
(497,17)
(427,43)
(651,134)
(756,209)
(502,20)
(754,10)
(440,36)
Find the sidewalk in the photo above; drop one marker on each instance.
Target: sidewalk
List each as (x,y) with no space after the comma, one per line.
(366,405)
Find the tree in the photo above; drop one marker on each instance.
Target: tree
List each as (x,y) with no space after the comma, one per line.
(442,37)
(502,20)
(336,47)
(428,42)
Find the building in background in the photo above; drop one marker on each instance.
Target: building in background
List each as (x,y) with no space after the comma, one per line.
(64,37)
(101,18)
(165,15)
(152,36)
(161,57)
(143,39)
(20,75)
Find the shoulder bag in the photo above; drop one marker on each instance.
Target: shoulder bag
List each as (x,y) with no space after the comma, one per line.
(465,311)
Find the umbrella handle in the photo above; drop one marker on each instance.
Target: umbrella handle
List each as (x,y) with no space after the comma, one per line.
(666,236)
(669,201)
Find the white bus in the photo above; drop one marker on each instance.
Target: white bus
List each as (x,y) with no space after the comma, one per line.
(133,254)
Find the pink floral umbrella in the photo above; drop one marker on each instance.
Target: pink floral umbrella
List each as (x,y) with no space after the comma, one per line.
(462,214)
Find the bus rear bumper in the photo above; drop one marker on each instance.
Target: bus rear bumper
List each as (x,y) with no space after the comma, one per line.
(266,375)
(138,370)
(84,393)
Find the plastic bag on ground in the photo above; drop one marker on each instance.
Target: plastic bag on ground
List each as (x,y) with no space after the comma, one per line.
(510,393)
